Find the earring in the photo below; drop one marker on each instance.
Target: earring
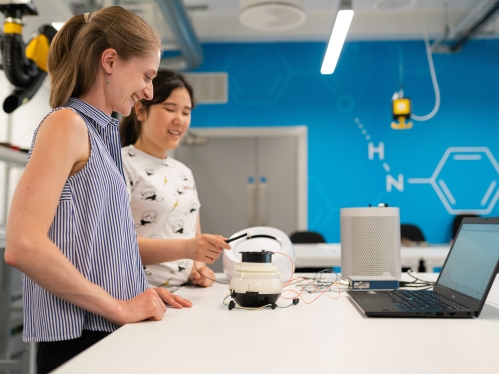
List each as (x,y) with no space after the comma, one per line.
(107,79)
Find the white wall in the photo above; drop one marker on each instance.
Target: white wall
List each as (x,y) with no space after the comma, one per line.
(25,118)
(23,122)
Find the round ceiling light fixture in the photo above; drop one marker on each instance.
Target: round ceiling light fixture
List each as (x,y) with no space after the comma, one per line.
(393,6)
(272,16)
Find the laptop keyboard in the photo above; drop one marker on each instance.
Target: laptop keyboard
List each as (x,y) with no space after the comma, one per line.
(412,300)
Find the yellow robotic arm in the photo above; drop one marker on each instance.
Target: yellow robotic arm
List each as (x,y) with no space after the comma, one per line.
(25,66)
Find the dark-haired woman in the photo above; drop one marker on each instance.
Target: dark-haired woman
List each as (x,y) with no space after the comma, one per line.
(164,198)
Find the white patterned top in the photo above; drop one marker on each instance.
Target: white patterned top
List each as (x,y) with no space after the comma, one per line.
(165,205)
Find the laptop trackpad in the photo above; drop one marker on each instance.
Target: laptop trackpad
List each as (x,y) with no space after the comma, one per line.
(369,297)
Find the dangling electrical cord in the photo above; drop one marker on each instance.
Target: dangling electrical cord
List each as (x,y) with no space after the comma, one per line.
(295,301)
(214,280)
(417,282)
(318,285)
(433,79)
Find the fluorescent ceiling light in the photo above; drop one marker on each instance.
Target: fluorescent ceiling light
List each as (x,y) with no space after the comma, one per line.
(58,25)
(340,30)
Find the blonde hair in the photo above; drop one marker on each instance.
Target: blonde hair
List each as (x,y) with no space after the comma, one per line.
(74,53)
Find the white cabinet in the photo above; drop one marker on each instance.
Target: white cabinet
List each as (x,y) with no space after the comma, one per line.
(249,177)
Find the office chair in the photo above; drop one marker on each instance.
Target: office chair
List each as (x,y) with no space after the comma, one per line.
(306,237)
(412,233)
(457,222)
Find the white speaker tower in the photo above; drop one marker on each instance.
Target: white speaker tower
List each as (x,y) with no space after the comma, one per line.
(370,242)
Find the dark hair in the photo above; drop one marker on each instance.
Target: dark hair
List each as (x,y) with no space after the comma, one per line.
(75,51)
(164,83)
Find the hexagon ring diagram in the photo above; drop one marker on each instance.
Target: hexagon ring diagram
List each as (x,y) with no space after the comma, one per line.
(465,180)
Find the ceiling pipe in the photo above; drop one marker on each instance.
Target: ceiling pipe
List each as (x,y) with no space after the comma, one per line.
(477,18)
(190,48)
(476,27)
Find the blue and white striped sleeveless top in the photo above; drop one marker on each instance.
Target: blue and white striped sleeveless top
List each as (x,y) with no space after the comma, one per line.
(93,227)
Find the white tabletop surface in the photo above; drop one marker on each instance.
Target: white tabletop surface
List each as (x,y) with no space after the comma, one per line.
(329,254)
(327,336)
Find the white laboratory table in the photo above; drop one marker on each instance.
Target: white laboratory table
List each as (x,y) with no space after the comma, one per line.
(323,337)
(329,255)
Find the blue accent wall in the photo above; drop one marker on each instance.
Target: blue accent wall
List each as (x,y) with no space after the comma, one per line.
(439,168)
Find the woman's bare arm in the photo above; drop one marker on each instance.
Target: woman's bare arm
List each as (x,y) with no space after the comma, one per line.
(62,148)
(201,274)
(204,248)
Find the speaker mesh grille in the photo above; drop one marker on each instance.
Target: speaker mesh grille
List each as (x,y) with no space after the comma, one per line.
(370,246)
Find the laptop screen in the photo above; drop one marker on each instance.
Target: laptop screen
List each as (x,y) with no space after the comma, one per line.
(475,251)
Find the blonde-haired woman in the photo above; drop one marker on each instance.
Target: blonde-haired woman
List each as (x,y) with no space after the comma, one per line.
(70,229)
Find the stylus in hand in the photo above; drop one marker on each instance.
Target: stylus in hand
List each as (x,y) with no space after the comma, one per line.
(237,237)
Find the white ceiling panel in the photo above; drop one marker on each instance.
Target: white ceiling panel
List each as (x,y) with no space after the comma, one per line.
(218,20)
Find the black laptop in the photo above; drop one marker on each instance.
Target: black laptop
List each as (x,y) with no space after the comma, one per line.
(462,286)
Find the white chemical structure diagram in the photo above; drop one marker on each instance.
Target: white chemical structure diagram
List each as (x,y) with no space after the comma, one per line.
(465,178)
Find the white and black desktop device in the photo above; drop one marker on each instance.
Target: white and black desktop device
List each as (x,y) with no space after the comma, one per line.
(462,286)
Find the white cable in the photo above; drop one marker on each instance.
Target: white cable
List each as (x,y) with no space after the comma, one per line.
(433,79)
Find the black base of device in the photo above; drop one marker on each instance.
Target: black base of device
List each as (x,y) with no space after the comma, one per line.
(254,299)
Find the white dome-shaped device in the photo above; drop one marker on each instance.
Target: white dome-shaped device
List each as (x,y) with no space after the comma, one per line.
(256,282)
(258,239)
